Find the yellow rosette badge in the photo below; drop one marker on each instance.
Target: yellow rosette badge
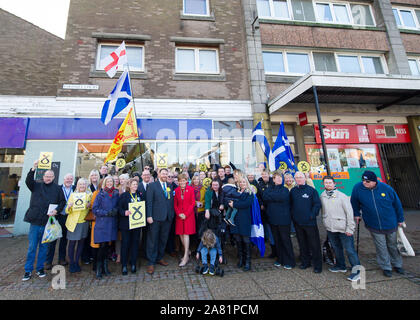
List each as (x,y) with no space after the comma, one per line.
(168,191)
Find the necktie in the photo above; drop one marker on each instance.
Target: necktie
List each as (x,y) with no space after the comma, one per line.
(164,189)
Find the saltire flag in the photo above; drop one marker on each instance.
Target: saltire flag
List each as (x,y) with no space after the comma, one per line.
(282,151)
(258,136)
(118,99)
(127,132)
(257,229)
(111,62)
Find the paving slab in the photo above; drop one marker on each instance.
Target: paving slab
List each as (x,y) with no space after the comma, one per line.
(299,295)
(397,289)
(235,286)
(348,293)
(161,290)
(280,281)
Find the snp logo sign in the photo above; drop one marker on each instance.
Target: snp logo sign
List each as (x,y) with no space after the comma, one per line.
(58,281)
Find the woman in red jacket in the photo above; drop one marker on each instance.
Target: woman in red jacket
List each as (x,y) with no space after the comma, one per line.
(184,203)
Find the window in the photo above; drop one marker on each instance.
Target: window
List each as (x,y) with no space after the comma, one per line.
(197,60)
(407,18)
(324,61)
(372,65)
(273,9)
(349,64)
(273,62)
(336,13)
(326,12)
(196,7)
(360,64)
(414,66)
(298,63)
(286,62)
(135,56)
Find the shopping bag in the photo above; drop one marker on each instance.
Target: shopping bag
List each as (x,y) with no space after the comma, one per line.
(52,231)
(403,245)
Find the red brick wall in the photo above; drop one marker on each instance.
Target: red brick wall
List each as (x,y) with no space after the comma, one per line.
(159,19)
(411,42)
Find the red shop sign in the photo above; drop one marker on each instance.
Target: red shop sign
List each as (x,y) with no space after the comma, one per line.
(343,134)
(397,133)
(303,119)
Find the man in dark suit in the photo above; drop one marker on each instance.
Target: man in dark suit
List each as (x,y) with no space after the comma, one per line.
(160,213)
(142,188)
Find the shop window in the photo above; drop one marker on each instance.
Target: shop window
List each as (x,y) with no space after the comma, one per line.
(197,60)
(135,56)
(196,7)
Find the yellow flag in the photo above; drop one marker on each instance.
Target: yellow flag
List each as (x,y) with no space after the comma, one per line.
(127,132)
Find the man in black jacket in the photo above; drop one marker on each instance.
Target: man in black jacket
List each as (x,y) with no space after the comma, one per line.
(305,205)
(43,194)
(160,213)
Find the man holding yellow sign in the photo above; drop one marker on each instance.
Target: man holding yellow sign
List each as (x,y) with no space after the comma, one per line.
(132,217)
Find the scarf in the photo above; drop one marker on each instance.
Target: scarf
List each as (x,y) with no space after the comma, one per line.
(330,193)
(109,191)
(197,190)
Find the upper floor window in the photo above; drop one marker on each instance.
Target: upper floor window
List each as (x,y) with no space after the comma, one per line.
(196,7)
(135,55)
(197,60)
(407,18)
(278,62)
(414,64)
(325,12)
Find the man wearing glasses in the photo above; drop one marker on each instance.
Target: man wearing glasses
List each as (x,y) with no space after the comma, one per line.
(382,213)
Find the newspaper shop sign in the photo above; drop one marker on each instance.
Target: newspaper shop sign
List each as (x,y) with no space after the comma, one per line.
(343,134)
(397,133)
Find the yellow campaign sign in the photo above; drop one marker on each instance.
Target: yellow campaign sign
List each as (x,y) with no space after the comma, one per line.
(283,165)
(45,160)
(203,167)
(79,201)
(304,166)
(162,160)
(137,218)
(120,163)
(206,182)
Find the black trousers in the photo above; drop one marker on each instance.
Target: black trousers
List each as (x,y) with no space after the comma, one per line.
(284,246)
(157,237)
(309,245)
(130,246)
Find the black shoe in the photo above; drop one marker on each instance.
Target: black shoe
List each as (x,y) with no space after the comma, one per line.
(27,276)
(388,273)
(304,266)
(399,270)
(316,270)
(41,273)
(133,268)
(124,271)
(99,270)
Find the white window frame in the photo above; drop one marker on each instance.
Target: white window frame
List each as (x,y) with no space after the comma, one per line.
(331,5)
(336,54)
(417,60)
(371,14)
(359,59)
(273,17)
(196,60)
(413,14)
(197,14)
(134,69)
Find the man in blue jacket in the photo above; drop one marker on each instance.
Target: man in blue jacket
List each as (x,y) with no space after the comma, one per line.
(382,213)
(305,205)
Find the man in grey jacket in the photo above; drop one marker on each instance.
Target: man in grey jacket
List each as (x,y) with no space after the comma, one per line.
(337,215)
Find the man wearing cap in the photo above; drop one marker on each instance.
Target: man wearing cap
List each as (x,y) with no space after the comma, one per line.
(382,213)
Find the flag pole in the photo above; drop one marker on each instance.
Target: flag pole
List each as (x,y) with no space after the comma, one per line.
(135,114)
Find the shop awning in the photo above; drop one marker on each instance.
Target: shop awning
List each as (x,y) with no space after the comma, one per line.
(381,91)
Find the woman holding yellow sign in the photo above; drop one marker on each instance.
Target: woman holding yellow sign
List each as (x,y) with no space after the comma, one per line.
(130,236)
(77,210)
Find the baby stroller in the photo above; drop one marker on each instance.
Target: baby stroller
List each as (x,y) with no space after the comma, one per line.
(218,270)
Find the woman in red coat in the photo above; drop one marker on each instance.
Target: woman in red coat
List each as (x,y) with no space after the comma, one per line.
(184,203)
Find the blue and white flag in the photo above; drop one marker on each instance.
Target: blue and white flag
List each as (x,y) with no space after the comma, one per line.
(118,99)
(282,151)
(257,229)
(258,136)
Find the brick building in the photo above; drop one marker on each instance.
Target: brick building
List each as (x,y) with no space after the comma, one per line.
(359,62)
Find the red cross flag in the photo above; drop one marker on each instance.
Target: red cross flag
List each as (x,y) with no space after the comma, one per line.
(116,58)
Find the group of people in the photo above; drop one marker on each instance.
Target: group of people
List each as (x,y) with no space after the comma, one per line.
(182,206)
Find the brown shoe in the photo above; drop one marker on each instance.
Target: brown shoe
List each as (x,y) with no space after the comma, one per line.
(150,269)
(173,254)
(163,263)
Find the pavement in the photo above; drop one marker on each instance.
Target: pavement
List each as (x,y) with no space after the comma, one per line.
(263,282)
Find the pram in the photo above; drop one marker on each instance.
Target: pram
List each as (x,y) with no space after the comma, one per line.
(218,270)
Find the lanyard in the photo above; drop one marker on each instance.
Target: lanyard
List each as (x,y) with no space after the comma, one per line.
(134,199)
(66,194)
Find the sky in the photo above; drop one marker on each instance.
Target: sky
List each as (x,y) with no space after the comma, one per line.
(50,15)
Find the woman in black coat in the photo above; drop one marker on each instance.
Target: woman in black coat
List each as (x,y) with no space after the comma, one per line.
(278,212)
(130,238)
(242,221)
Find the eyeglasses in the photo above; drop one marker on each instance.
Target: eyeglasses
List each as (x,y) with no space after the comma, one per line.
(170,176)
(367,181)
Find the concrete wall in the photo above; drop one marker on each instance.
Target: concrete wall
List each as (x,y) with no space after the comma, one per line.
(64,152)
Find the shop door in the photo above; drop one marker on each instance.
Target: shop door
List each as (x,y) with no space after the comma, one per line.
(402,172)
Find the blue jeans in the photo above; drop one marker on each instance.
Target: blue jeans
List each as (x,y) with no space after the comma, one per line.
(340,241)
(35,237)
(213,253)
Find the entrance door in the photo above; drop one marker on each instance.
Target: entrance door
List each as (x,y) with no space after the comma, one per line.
(402,172)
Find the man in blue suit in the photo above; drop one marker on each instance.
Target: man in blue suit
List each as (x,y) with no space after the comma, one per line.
(160,213)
